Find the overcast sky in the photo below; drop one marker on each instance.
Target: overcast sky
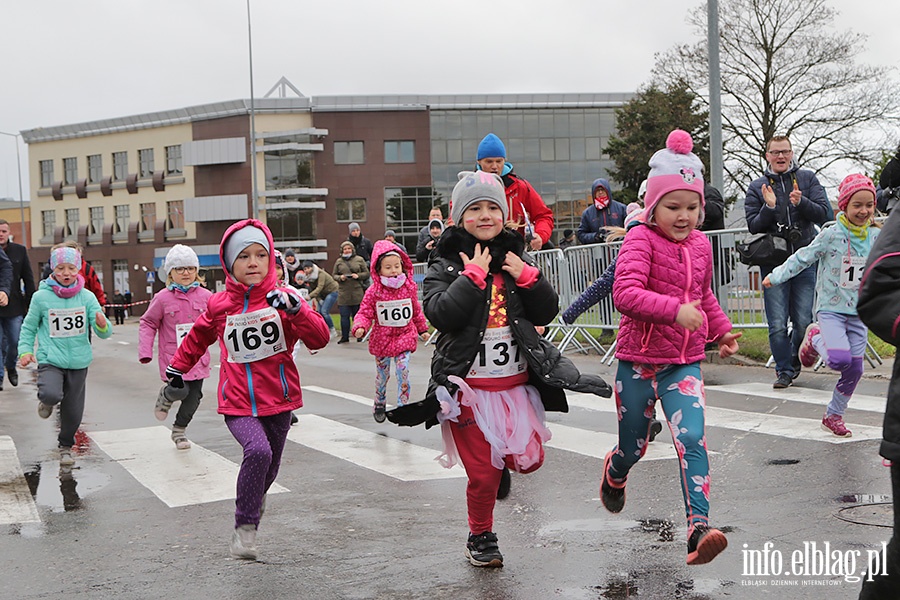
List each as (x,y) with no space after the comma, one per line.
(67,62)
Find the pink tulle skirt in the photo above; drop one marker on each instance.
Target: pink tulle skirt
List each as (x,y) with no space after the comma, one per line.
(512,422)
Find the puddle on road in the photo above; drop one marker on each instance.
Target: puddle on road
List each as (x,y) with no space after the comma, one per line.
(63,489)
(783,461)
(663,528)
(652,584)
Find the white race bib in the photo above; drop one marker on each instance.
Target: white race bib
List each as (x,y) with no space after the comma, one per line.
(394,313)
(852,268)
(253,336)
(498,355)
(181,331)
(67,322)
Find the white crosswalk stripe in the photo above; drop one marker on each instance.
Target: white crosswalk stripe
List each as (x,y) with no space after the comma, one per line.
(177,477)
(16,503)
(862,402)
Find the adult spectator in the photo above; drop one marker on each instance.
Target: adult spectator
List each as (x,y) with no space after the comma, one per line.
(361,244)
(425,233)
(293,268)
(534,221)
(390,236)
(604,212)
(435,229)
(790,202)
(21,287)
(119,307)
(714,220)
(323,291)
(889,184)
(568,239)
(351,273)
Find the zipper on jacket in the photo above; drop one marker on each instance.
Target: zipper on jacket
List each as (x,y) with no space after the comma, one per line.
(247,369)
(284,385)
(687,295)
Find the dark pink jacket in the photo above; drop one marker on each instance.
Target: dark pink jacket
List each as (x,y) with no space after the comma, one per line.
(265,387)
(390,341)
(655,275)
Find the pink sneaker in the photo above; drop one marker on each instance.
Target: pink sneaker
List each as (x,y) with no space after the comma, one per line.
(835,424)
(807,354)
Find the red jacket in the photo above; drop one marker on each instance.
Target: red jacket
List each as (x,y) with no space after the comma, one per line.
(519,194)
(267,386)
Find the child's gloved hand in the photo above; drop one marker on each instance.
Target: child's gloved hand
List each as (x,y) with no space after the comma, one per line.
(175,377)
(285,299)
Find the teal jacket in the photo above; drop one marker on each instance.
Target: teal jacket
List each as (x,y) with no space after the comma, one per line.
(63,352)
(828,248)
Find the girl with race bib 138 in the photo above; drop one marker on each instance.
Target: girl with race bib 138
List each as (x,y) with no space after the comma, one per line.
(839,336)
(59,316)
(257,324)
(169,317)
(391,308)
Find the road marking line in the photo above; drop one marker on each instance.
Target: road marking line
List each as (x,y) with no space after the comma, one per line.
(751,422)
(598,443)
(388,456)
(874,404)
(16,503)
(345,395)
(177,477)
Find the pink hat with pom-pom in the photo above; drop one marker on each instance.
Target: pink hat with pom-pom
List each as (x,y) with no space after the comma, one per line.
(855,182)
(674,167)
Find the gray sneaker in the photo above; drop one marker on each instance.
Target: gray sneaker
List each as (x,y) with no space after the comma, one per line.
(44,410)
(243,542)
(65,457)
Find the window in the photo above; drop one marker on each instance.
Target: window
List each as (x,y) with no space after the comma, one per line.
(175,215)
(348,153)
(145,160)
(120,166)
(406,212)
(400,152)
(96,220)
(288,169)
(122,216)
(71,222)
(292,224)
(46,173)
(148,216)
(173,160)
(95,168)
(120,275)
(48,222)
(70,171)
(351,209)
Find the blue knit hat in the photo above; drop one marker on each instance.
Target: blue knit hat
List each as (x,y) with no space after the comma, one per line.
(491,147)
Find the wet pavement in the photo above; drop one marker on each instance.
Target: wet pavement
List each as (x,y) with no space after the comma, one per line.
(345,531)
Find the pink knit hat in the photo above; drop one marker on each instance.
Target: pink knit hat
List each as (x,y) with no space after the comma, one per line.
(674,167)
(851,184)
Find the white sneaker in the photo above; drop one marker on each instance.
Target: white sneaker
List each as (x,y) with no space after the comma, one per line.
(65,457)
(44,410)
(243,542)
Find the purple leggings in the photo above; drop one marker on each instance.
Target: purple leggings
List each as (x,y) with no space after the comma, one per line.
(262,439)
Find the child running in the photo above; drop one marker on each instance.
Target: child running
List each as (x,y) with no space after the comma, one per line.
(391,308)
(663,290)
(59,316)
(170,316)
(492,375)
(257,323)
(841,251)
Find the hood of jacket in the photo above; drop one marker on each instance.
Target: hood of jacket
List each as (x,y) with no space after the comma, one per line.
(600,183)
(234,287)
(382,247)
(792,169)
(456,239)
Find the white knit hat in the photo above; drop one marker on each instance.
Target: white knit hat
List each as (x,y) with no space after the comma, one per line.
(180,256)
(674,167)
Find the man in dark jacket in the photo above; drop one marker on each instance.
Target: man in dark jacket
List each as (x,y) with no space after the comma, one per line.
(425,236)
(20,290)
(879,309)
(787,201)
(435,229)
(602,213)
(889,183)
(361,244)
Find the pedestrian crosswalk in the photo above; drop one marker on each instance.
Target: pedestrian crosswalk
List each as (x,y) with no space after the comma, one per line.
(183,478)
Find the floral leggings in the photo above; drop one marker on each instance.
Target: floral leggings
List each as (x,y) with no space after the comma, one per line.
(383,373)
(679,389)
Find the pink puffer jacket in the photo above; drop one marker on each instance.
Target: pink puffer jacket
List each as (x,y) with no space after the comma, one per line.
(168,309)
(654,277)
(386,340)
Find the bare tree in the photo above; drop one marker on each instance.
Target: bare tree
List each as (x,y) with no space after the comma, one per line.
(784,71)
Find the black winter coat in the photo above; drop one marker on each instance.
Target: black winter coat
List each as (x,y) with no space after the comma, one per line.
(459,310)
(22,276)
(879,309)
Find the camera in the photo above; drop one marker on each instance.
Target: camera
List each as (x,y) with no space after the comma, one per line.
(791,233)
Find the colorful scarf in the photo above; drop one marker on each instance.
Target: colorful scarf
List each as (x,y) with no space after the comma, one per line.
(183,288)
(63,291)
(860,231)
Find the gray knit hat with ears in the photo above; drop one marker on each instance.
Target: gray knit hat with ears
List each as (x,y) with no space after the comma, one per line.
(474,186)
(180,256)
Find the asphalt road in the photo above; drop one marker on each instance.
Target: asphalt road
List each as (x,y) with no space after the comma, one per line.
(356,520)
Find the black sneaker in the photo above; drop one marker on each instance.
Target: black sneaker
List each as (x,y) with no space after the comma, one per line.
(503,490)
(342,341)
(294,419)
(705,544)
(784,380)
(483,551)
(612,497)
(378,412)
(655,429)
(13,377)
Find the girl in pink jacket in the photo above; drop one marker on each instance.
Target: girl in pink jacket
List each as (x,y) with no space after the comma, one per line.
(391,308)
(257,323)
(170,316)
(662,288)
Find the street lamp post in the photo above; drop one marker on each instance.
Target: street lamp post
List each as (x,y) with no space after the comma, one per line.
(15,136)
